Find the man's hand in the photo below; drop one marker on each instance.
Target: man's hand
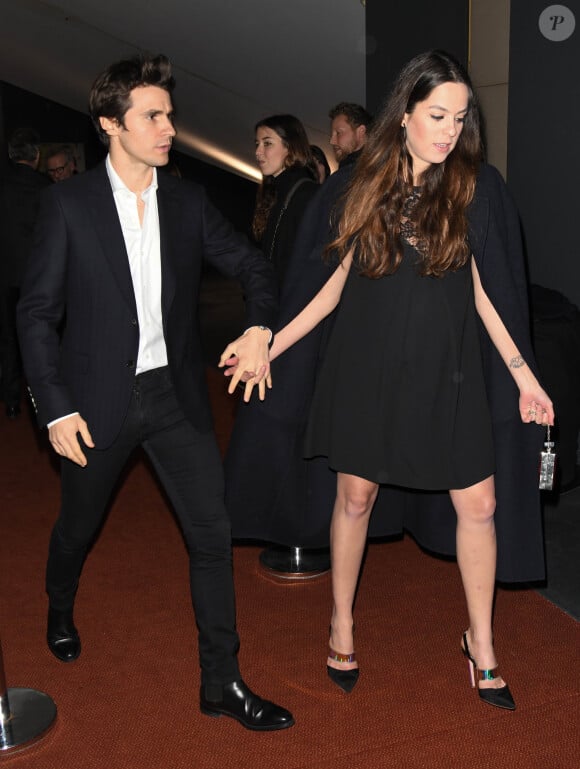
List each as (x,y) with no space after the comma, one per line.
(248,361)
(64,440)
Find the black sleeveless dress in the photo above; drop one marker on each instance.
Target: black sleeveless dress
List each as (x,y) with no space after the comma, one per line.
(400,398)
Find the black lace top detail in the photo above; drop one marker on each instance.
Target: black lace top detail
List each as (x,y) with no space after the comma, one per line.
(408,232)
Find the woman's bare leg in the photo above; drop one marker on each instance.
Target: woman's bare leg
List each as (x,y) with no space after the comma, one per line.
(355,498)
(476,557)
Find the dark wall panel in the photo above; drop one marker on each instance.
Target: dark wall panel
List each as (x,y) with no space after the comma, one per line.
(397,30)
(544,141)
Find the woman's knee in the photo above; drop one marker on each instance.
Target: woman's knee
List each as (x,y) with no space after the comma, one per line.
(357,498)
(481,510)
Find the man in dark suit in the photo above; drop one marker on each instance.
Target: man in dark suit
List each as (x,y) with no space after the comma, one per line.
(20,189)
(118,251)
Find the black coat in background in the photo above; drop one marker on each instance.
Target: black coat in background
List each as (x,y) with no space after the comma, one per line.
(284,220)
(272,493)
(20,190)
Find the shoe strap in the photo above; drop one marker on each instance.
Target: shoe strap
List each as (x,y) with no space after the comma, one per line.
(338,657)
(486,675)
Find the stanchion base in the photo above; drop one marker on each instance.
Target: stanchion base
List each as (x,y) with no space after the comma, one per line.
(294,564)
(32,716)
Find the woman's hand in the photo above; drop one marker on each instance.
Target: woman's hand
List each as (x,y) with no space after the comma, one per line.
(247,361)
(536,406)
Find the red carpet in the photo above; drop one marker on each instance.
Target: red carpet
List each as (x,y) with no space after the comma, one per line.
(131,700)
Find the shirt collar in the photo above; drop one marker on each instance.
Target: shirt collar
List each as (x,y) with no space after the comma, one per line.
(119,185)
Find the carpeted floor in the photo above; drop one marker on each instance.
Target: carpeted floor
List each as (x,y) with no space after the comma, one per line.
(131,700)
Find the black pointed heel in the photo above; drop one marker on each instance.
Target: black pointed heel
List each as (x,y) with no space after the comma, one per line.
(345,679)
(499,698)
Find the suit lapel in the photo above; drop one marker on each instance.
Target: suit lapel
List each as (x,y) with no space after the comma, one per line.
(169,208)
(110,235)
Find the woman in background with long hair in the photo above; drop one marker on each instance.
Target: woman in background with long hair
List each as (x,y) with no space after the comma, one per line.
(288,171)
(265,478)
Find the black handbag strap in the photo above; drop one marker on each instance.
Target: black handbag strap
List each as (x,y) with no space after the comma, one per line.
(285,205)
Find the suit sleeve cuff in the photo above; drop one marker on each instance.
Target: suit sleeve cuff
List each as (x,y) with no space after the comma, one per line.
(55,421)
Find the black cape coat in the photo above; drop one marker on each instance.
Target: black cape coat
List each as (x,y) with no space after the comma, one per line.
(294,507)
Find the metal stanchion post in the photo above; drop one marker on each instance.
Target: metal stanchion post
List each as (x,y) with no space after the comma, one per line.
(26,715)
(294,564)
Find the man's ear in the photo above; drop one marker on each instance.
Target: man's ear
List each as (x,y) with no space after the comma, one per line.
(361,133)
(110,126)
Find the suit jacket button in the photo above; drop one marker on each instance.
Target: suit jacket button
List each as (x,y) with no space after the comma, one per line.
(134,321)
(130,363)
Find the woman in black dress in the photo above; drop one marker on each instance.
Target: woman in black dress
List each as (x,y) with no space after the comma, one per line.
(412,391)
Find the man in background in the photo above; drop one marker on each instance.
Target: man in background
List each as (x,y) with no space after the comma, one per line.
(20,190)
(61,163)
(348,130)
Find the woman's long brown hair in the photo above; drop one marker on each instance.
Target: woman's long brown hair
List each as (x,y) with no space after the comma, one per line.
(383,181)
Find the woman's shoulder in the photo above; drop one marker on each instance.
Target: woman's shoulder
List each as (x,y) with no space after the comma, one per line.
(300,185)
(489,178)
(493,210)
(299,175)
(491,187)
(491,191)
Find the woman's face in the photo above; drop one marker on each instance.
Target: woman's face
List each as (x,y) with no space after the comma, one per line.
(270,151)
(435,125)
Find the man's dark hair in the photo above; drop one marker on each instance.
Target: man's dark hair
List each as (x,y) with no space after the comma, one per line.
(23,145)
(110,95)
(354,113)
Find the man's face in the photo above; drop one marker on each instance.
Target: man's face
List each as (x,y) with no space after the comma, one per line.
(344,139)
(59,168)
(144,139)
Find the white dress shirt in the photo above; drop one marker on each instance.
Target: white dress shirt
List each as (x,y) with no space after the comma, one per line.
(142,242)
